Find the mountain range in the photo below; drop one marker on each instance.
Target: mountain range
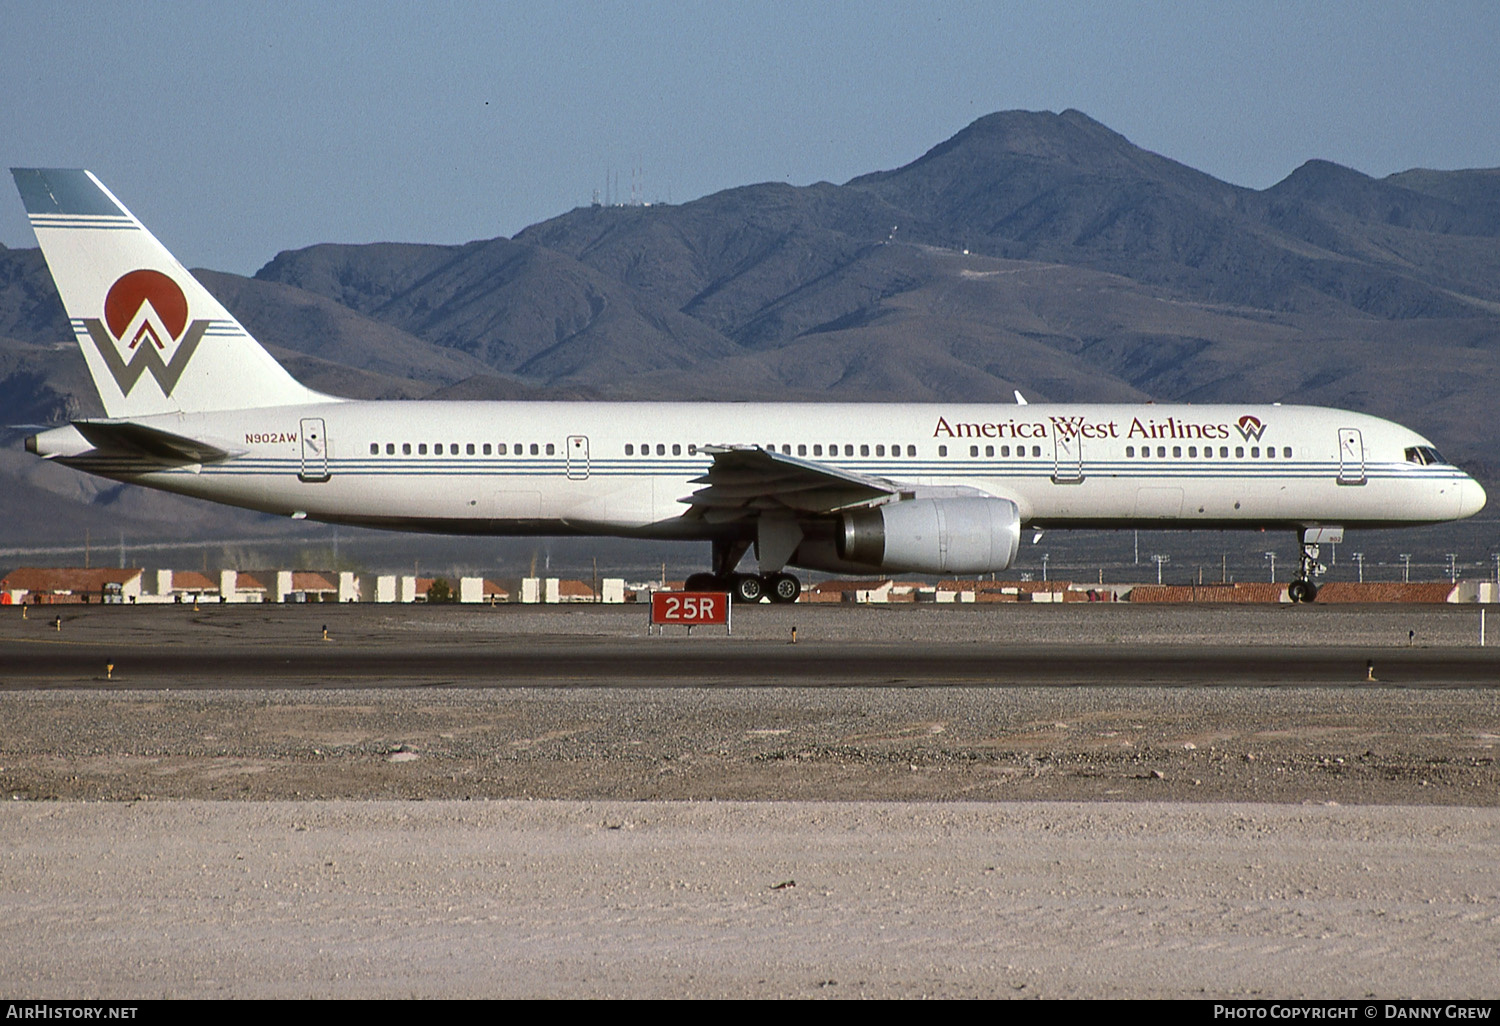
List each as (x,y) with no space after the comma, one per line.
(1033,251)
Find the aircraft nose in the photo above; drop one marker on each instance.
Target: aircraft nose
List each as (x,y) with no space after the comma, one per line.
(1471,497)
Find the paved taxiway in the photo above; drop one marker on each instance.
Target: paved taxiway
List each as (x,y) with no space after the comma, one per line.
(229,647)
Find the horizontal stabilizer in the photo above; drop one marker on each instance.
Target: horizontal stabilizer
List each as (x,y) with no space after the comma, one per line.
(151,444)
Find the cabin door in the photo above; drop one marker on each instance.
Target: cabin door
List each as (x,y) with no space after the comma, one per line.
(314,451)
(1351,457)
(1067,467)
(578,457)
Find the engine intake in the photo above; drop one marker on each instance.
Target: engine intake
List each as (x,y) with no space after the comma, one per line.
(934,536)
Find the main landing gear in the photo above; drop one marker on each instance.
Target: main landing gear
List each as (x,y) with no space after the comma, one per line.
(778,587)
(1302,589)
(749,587)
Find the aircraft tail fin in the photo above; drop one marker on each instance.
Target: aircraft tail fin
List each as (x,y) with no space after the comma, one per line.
(155,340)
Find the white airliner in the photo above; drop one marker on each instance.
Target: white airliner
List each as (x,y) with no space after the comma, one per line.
(194,405)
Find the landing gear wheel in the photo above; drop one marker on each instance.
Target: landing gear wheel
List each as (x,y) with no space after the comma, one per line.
(783,587)
(747,588)
(1302,591)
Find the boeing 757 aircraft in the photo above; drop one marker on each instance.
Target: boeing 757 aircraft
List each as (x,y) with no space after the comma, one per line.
(194,405)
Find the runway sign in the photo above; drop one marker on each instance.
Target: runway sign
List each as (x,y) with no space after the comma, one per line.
(690,608)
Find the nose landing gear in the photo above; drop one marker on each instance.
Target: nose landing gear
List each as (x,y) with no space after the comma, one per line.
(1302,589)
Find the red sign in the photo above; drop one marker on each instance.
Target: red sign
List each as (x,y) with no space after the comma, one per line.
(690,608)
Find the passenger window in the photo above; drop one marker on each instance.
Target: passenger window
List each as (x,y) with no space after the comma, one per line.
(661,448)
(973,450)
(1130,451)
(1192,452)
(390,448)
(801,449)
(911,450)
(550,449)
(1239,452)
(1223,452)
(1286,452)
(535,449)
(692,449)
(421,448)
(880,450)
(817,449)
(942,450)
(1161,452)
(1036,450)
(500,448)
(470,448)
(1005,450)
(629,449)
(989,450)
(486,448)
(1176,452)
(406,448)
(1255,452)
(848,450)
(676,449)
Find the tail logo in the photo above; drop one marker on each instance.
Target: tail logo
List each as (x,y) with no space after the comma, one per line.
(145,329)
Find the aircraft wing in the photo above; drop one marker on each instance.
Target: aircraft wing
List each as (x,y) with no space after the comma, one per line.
(152,445)
(747,481)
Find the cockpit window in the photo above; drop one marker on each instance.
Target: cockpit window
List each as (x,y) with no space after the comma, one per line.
(1424,456)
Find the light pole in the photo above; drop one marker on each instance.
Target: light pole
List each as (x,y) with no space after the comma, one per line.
(1160,559)
(1044,565)
(1359,557)
(1452,567)
(1272,557)
(1405,568)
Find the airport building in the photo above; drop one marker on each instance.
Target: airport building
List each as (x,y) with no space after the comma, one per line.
(131,586)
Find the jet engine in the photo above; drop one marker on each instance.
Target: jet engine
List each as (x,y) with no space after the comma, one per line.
(959,535)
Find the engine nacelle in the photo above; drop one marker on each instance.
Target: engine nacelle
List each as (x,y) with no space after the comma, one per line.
(958,535)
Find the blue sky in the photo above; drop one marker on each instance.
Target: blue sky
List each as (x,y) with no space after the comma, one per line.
(235,130)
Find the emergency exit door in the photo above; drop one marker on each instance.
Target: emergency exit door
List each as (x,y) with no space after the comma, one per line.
(578,457)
